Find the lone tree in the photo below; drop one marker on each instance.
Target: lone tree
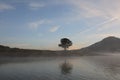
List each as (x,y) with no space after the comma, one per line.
(65,43)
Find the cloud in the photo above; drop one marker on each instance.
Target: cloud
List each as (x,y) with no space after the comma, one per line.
(85,9)
(110,24)
(103,11)
(36,24)
(54,28)
(104,26)
(35,6)
(4,7)
(113,23)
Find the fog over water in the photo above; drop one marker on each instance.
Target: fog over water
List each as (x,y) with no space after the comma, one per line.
(105,67)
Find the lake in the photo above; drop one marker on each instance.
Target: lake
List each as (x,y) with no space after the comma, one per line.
(61,68)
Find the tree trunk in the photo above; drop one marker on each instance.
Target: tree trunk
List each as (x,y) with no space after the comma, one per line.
(65,49)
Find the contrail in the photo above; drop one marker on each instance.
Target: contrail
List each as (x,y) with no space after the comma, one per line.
(98,25)
(101,24)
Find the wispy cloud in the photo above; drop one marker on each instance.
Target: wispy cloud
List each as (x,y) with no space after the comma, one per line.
(54,28)
(36,24)
(83,9)
(4,7)
(36,6)
(112,23)
(87,8)
(39,23)
(107,14)
(103,25)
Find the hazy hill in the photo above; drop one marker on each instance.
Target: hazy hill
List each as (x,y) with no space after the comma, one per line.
(109,44)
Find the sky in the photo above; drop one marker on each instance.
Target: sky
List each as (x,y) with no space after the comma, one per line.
(40,24)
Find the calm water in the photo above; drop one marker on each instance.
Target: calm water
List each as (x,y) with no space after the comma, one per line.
(70,68)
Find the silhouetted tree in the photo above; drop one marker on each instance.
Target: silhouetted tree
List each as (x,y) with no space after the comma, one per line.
(65,43)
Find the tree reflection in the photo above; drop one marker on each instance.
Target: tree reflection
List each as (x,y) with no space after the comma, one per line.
(66,68)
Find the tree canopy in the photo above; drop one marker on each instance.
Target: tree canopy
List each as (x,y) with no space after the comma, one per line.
(65,43)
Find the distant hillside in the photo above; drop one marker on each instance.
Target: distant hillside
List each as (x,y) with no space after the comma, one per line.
(109,44)
(7,51)
(16,52)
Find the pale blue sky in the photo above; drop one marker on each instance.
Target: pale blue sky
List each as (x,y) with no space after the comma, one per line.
(40,24)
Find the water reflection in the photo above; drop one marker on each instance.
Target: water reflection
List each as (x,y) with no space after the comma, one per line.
(77,68)
(113,72)
(66,68)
